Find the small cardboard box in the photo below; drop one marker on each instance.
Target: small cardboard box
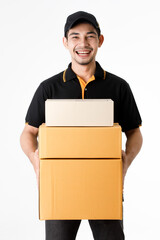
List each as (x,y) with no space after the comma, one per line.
(80,189)
(80,142)
(79,112)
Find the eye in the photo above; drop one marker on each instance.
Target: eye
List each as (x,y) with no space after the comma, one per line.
(91,36)
(74,37)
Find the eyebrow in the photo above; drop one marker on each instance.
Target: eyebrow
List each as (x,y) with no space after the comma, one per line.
(74,33)
(92,33)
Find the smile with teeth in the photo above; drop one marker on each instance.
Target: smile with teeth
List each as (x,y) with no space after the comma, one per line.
(83,52)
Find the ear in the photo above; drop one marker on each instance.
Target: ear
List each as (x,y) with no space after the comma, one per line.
(65,42)
(101,39)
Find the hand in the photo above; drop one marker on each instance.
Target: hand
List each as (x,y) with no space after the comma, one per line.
(36,162)
(124,165)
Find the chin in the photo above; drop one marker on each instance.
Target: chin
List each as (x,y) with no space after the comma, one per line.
(85,62)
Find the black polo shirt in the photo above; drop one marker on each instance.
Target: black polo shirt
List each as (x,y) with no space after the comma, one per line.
(65,85)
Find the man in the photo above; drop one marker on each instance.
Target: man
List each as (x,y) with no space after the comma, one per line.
(84,78)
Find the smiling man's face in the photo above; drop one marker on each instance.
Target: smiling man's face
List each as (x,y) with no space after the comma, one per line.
(83,43)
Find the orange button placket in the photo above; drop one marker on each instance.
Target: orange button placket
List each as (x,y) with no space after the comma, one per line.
(84,84)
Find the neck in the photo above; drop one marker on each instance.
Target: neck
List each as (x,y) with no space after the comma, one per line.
(84,71)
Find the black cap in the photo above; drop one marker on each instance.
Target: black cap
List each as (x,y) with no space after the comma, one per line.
(77,16)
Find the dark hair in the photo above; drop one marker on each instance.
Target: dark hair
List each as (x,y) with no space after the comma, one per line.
(83,21)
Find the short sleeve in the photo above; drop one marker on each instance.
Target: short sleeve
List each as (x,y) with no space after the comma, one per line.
(129,114)
(36,112)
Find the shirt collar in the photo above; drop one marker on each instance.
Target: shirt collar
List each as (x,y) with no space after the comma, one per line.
(68,74)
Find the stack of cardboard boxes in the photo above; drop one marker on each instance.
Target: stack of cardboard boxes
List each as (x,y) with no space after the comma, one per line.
(80,161)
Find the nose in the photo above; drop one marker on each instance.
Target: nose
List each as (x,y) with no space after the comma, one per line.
(84,42)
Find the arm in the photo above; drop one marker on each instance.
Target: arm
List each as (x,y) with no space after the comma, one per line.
(29,144)
(133,146)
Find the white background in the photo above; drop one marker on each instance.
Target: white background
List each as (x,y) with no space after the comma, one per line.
(31,50)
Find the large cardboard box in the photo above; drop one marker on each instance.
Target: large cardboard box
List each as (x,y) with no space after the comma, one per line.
(80,142)
(80,189)
(79,112)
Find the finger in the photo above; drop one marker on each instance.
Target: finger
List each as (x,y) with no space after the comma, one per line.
(37,176)
(37,152)
(123,154)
